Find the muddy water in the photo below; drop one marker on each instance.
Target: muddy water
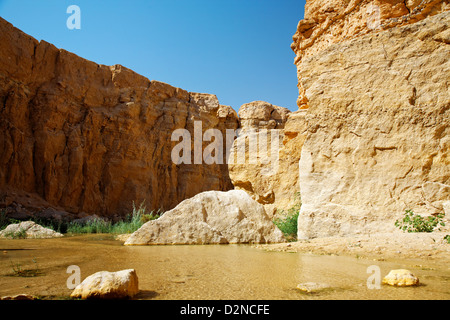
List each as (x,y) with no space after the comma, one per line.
(204,272)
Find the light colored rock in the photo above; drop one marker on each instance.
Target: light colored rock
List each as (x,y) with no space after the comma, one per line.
(90,138)
(269,170)
(401,278)
(108,285)
(327,22)
(262,115)
(211,217)
(28,230)
(378,131)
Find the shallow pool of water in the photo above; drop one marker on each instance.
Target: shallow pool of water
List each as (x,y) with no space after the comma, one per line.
(231,272)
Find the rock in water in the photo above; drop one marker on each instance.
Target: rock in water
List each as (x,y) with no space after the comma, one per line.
(401,278)
(27,230)
(313,287)
(108,285)
(211,217)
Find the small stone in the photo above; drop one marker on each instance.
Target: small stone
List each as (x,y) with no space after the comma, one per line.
(312,287)
(401,278)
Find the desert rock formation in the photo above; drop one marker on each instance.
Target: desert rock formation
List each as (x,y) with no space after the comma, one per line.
(328,22)
(378,129)
(81,137)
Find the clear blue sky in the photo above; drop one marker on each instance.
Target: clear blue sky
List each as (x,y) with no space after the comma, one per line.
(236,49)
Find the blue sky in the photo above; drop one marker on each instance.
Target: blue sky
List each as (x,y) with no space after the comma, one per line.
(236,49)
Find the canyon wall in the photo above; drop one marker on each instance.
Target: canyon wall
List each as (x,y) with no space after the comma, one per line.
(85,138)
(378,117)
(330,85)
(327,22)
(272,137)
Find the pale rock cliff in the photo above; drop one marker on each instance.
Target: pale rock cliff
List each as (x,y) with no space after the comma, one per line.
(86,138)
(378,139)
(332,21)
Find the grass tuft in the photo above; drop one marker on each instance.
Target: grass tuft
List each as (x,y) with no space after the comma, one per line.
(132,222)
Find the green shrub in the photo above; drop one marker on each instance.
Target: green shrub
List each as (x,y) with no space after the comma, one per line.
(130,224)
(91,226)
(447,238)
(412,222)
(287,220)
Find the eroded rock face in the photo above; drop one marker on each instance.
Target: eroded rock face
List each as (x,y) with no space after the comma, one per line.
(211,217)
(378,130)
(268,171)
(262,115)
(333,21)
(83,137)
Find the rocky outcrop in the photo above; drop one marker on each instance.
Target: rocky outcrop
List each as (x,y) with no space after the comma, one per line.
(264,158)
(211,217)
(108,285)
(378,130)
(262,115)
(80,137)
(28,230)
(328,22)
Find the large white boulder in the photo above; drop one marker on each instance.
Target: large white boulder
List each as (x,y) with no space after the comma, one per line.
(211,217)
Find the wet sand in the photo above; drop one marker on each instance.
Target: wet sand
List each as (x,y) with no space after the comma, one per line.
(211,272)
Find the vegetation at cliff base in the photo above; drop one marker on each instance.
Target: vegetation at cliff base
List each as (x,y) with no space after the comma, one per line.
(412,222)
(130,224)
(287,220)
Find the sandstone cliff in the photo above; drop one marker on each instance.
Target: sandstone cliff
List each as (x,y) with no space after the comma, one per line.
(88,138)
(332,21)
(269,170)
(378,139)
